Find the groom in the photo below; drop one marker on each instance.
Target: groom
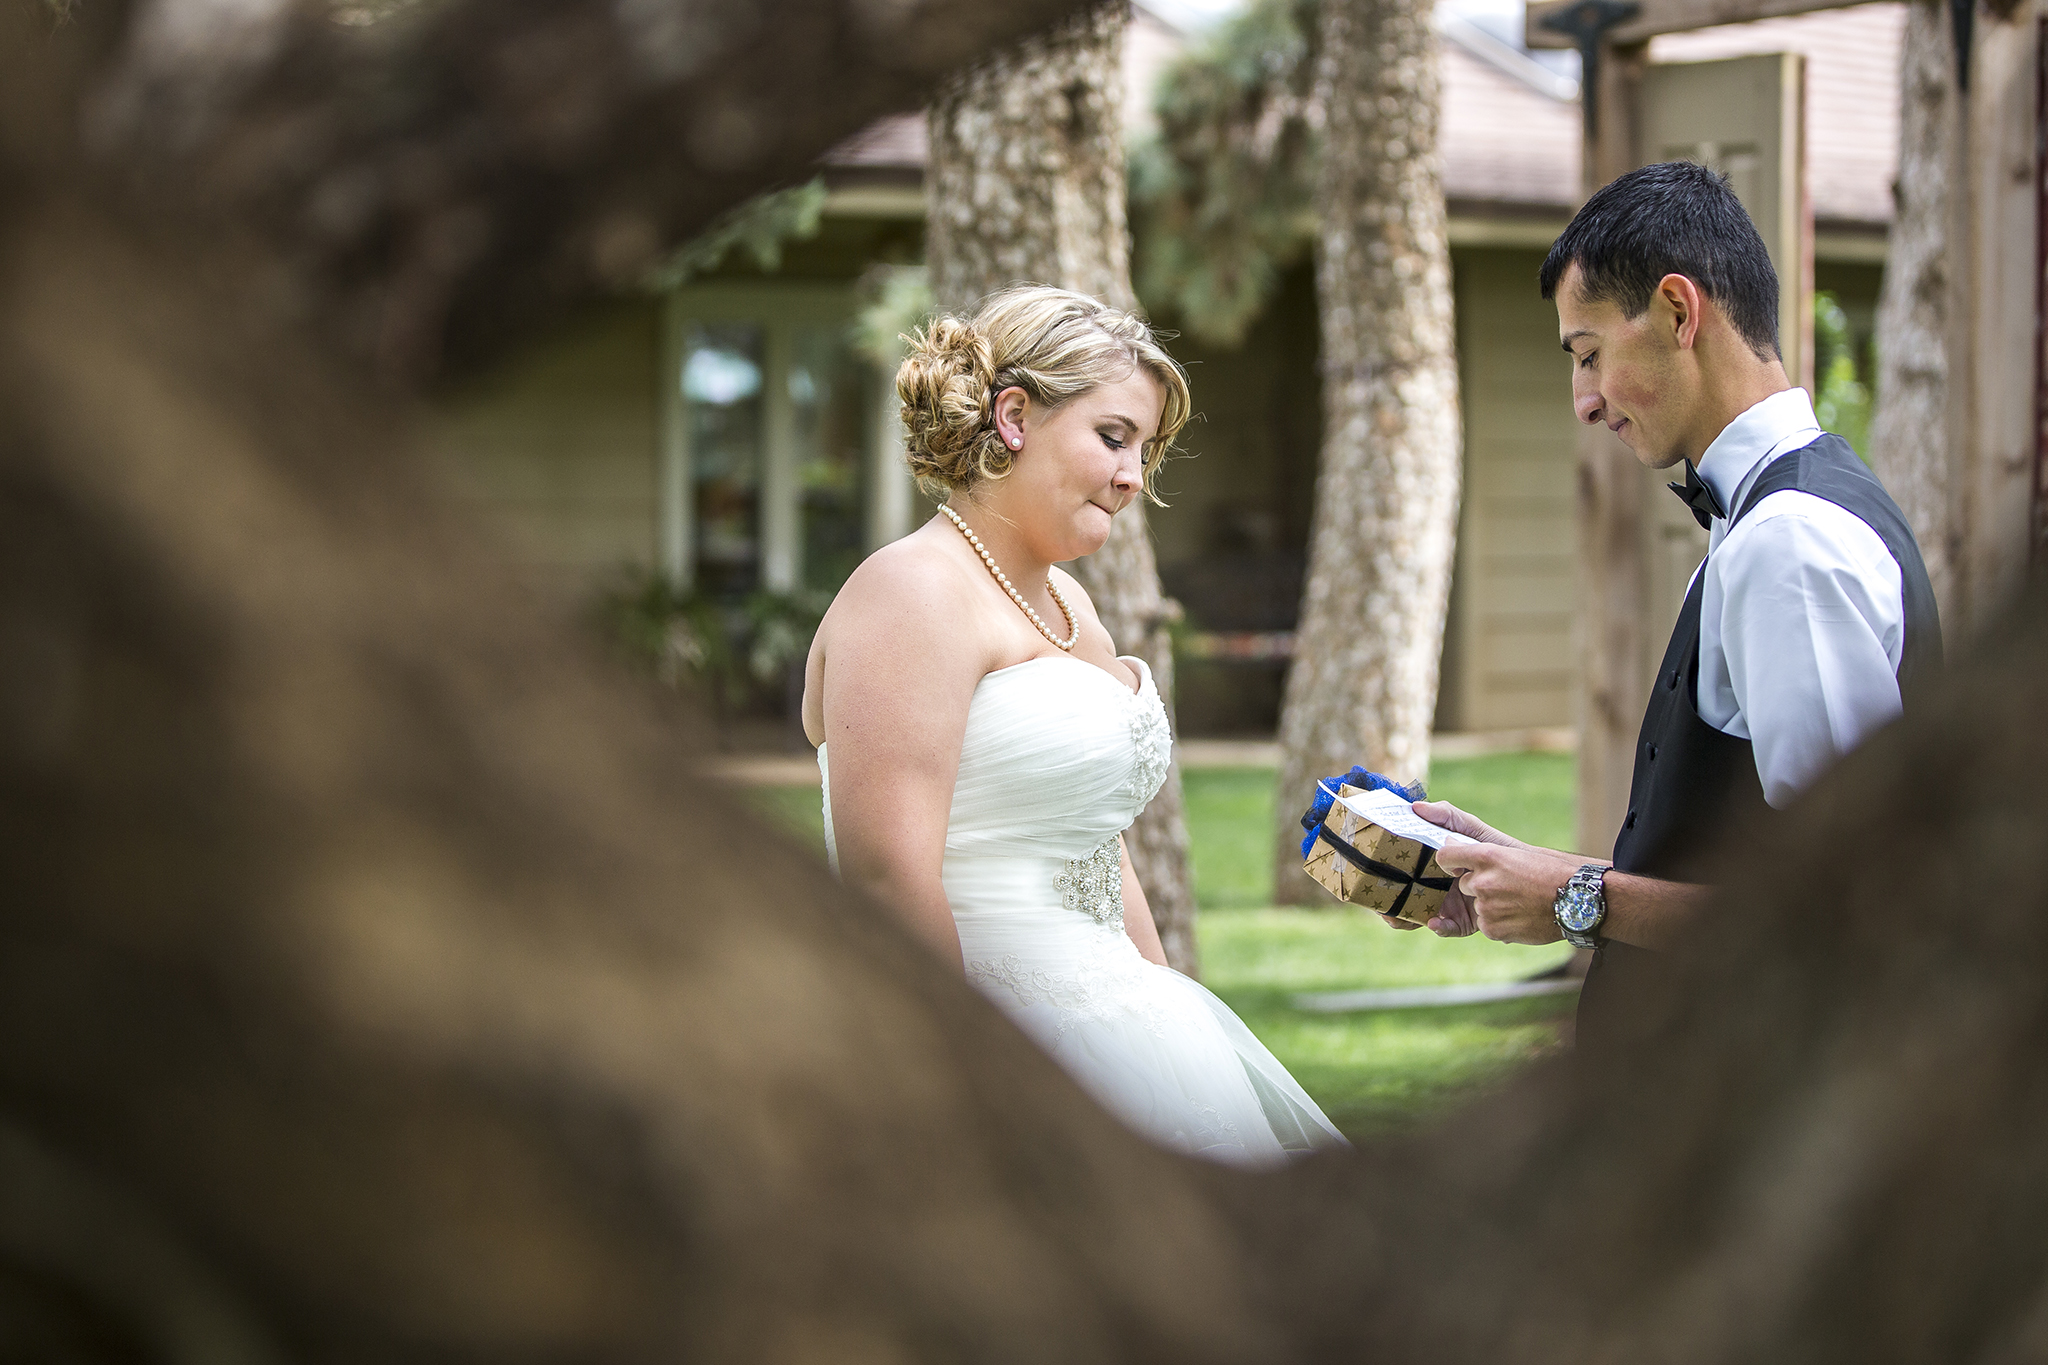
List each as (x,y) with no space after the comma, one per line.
(1809,625)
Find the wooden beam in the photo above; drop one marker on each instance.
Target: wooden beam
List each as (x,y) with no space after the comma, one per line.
(1613,680)
(2038,551)
(1673,16)
(675,514)
(1994,315)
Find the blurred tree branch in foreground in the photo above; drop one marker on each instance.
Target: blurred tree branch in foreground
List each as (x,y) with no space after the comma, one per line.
(380,981)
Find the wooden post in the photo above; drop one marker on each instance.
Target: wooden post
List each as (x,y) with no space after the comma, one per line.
(1613,680)
(675,492)
(1993,323)
(889,503)
(781,525)
(1795,307)
(2038,556)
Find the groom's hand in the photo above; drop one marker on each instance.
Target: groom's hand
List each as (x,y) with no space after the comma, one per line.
(1457,917)
(1506,891)
(1471,826)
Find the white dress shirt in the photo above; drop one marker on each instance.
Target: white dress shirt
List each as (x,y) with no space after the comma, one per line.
(1803,615)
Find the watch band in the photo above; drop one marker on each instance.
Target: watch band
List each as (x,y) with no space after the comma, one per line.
(1581,906)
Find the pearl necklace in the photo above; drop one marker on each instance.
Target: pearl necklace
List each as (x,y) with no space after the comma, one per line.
(1018,597)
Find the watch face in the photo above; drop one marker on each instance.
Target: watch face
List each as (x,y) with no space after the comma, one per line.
(1581,907)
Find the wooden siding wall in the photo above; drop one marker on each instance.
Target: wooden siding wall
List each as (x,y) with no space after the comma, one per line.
(1508,646)
(1246,497)
(558,446)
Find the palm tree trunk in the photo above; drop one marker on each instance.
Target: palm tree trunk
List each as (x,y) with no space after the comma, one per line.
(1363,685)
(1025,181)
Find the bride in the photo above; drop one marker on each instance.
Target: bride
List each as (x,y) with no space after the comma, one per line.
(983,745)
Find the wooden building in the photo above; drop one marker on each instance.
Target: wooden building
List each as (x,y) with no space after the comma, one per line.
(728,434)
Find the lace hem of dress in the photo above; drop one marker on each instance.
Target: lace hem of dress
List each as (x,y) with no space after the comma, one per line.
(1094,885)
(1105,983)
(1213,1132)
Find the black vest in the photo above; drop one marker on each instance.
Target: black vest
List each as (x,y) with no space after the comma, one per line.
(1692,782)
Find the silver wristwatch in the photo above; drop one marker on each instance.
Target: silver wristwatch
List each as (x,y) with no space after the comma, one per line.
(1581,905)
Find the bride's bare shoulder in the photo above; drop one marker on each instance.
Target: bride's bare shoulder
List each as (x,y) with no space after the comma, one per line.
(918,597)
(913,571)
(904,625)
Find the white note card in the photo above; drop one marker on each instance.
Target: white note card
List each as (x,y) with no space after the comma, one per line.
(1392,814)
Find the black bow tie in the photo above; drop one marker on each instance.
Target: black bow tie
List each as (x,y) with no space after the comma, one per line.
(1695,494)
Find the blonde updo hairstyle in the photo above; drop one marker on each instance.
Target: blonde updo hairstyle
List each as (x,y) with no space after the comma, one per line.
(1052,343)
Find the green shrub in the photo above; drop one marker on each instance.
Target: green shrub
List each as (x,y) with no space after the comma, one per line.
(736,652)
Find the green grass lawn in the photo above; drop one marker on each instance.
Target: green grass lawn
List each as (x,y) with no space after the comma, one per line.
(1383,1070)
(1372,1072)
(1388,1069)
(798,809)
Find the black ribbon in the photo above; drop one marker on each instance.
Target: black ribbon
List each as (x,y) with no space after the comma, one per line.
(1695,494)
(1387,872)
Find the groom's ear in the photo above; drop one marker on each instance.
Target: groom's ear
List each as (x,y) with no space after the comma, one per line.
(1682,302)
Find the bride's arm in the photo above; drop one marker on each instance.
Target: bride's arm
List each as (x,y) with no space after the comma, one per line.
(1138,913)
(898,673)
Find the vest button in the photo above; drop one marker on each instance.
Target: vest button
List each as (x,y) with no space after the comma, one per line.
(1653,753)
(1629,823)
(1672,681)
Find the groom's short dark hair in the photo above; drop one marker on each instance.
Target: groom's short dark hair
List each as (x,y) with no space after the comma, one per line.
(1673,218)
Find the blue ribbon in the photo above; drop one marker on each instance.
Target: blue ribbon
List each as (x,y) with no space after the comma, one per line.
(1319,810)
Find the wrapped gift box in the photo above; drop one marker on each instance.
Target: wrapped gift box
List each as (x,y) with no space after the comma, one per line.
(1413,892)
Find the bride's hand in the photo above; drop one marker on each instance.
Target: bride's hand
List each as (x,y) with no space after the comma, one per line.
(1453,919)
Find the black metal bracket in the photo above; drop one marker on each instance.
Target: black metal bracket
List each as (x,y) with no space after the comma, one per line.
(1586,23)
(1962,19)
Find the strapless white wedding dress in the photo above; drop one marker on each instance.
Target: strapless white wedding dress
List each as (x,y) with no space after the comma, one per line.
(1058,759)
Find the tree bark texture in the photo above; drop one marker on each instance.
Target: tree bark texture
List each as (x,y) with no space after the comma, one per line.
(369,985)
(1363,685)
(450,175)
(1025,181)
(363,930)
(1909,435)
(380,980)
